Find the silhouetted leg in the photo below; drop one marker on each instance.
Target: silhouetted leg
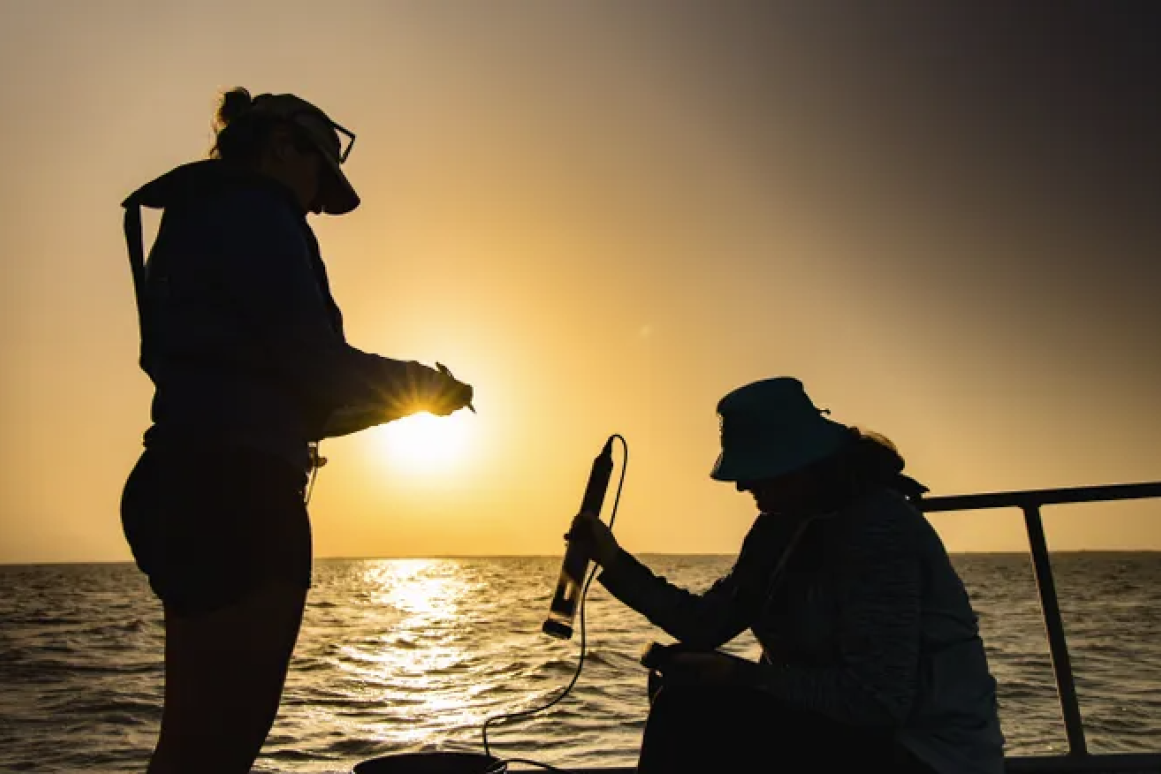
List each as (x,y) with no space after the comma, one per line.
(224,674)
(698,729)
(224,537)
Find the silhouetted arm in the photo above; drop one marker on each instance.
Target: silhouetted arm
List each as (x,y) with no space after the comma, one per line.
(703,621)
(266,270)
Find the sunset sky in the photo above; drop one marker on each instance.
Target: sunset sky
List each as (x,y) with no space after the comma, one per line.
(606,215)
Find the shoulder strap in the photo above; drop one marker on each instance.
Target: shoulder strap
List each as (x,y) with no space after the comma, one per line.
(135,242)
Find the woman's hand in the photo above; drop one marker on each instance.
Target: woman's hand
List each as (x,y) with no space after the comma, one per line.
(435,390)
(595,537)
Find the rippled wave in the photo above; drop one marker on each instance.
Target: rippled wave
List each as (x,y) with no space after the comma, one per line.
(412,655)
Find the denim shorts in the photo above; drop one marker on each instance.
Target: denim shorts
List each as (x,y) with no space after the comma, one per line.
(207,524)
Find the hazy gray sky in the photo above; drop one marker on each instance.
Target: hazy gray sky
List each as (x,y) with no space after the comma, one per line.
(606,215)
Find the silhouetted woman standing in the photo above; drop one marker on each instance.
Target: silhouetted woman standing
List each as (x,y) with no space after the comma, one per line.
(245,347)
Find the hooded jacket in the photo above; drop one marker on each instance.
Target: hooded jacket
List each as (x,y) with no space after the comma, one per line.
(240,335)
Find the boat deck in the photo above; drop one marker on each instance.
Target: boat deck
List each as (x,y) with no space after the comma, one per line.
(1107,763)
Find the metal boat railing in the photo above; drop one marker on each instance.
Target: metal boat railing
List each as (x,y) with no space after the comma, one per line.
(1030,502)
(1078,759)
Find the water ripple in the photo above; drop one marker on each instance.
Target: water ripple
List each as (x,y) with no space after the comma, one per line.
(413,655)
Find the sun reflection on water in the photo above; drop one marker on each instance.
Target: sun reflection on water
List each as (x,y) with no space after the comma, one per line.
(424,587)
(417,666)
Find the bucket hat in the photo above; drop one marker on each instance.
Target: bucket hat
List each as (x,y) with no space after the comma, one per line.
(772,427)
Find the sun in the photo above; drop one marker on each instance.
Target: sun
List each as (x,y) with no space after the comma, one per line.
(424,443)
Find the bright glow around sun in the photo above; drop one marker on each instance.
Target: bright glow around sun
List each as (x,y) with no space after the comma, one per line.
(424,443)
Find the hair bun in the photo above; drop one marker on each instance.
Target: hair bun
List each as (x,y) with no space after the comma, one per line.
(235,102)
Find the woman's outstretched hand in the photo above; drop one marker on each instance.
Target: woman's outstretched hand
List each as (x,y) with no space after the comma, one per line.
(436,390)
(413,389)
(595,537)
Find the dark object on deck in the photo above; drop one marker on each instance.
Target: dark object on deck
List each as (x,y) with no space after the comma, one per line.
(433,763)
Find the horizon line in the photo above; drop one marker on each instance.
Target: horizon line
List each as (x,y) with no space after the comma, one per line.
(559,556)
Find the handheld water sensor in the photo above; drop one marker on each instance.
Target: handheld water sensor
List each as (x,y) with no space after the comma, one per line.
(572,585)
(574,567)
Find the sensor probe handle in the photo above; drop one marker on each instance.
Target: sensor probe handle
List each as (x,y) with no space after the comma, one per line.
(574,567)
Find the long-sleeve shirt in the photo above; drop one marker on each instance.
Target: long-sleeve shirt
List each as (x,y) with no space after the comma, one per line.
(867,622)
(246,343)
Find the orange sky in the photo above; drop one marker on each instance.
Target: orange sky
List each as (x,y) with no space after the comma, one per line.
(605,216)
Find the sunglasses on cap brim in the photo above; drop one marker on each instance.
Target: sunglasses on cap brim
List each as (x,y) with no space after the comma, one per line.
(341,131)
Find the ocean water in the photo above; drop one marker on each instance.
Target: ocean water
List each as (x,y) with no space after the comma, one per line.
(415,654)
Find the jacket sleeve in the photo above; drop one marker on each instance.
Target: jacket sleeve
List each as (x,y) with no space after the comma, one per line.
(878,629)
(703,621)
(266,273)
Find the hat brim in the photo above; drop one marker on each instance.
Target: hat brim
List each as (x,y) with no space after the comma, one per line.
(339,196)
(772,461)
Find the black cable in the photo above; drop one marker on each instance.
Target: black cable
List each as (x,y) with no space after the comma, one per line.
(500,765)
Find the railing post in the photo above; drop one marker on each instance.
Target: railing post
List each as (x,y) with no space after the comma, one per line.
(1058,648)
